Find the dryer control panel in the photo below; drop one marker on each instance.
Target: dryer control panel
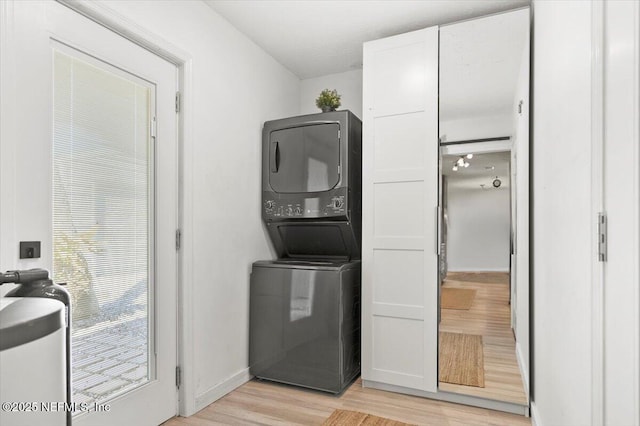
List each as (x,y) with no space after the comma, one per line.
(325,205)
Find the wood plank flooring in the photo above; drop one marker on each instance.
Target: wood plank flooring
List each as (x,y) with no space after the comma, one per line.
(490,317)
(265,403)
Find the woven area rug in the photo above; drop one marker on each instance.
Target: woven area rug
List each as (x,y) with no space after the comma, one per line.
(457,298)
(354,418)
(461,359)
(480,277)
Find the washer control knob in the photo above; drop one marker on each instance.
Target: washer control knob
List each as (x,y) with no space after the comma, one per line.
(289,211)
(270,204)
(298,211)
(338,203)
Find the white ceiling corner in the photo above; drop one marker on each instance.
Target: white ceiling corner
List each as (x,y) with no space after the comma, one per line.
(312,38)
(480,63)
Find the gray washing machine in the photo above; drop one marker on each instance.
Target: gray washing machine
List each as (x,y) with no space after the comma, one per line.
(305,323)
(305,306)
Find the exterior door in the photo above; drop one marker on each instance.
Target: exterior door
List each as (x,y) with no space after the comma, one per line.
(400,199)
(106,155)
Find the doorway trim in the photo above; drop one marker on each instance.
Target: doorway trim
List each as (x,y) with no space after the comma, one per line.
(8,131)
(597,207)
(183,61)
(621,191)
(477,147)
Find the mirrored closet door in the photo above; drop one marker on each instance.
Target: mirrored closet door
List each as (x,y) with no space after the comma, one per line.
(483,133)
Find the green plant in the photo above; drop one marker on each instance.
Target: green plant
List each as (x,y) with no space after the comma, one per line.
(70,251)
(328,100)
(70,266)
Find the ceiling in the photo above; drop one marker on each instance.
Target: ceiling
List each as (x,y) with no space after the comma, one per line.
(479,65)
(479,171)
(318,37)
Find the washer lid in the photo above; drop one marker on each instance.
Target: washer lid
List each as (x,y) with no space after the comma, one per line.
(313,264)
(25,319)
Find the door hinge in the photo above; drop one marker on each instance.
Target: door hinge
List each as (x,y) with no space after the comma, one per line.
(178,101)
(153,127)
(178,239)
(178,376)
(602,237)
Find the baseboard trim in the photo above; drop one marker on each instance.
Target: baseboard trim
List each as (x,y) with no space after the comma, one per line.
(222,388)
(478,270)
(455,398)
(524,370)
(535,415)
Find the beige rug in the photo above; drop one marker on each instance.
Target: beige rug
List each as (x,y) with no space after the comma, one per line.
(354,418)
(461,359)
(479,277)
(457,298)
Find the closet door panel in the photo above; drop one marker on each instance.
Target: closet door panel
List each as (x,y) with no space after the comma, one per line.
(400,187)
(399,143)
(395,200)
(386,341)
(398,285)
(404,67)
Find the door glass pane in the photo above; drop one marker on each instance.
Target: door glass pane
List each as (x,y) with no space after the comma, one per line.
(307,158)
(102,222)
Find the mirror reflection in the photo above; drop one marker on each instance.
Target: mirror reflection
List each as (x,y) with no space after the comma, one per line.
(483,84)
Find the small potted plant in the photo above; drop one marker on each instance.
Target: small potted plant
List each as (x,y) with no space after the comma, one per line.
(328,100)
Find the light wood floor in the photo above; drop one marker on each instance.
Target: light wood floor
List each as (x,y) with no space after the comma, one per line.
(265,403)
(490,317)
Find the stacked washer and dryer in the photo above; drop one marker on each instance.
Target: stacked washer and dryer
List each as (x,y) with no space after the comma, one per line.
(305,306)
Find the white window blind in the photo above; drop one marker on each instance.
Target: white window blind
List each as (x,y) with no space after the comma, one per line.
(102,210)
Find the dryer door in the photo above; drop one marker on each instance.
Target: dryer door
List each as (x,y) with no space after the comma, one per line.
(304,159)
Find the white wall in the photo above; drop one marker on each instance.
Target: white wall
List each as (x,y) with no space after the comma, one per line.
(563,225)
(236,87)
(476,127)
(520,167)
(478,229)
(348,84)
(622,194)
(22,200)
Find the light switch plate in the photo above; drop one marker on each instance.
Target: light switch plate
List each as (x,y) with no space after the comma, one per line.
(29,249)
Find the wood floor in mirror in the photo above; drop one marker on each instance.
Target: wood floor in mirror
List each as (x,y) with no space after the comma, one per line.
(488,316)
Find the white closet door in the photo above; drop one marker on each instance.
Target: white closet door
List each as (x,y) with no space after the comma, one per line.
(400,196)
